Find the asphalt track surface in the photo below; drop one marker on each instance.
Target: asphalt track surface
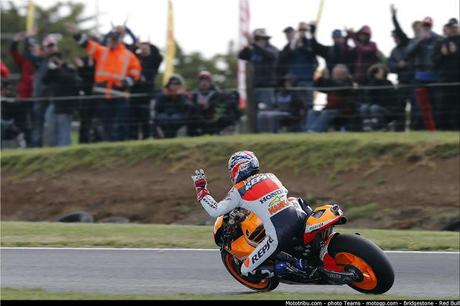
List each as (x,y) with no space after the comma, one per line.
(169,271)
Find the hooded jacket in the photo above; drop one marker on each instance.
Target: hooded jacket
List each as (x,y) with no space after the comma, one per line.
(365,55)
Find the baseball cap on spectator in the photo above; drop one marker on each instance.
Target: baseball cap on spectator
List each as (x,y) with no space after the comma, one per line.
(365,30)
(427,21)
(175,80)
(337,33)
(49,41)
(205,75)
(288,29)
(260,33)
(452,23)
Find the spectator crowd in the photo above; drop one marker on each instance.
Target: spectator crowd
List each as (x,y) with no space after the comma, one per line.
(111,90)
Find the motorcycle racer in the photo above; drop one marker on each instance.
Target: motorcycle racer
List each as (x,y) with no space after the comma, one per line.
(264,195)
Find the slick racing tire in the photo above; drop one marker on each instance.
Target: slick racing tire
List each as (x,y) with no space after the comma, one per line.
(257,284)
(353,250)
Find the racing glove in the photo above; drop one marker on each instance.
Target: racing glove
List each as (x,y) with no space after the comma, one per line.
(199,179)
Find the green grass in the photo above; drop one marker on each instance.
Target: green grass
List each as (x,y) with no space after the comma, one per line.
(74,138)
(334,151)
(38,294)
(363,211)
(105,235)
(30,234)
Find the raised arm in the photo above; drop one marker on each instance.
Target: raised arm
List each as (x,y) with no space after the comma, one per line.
(91,47)
(269,52)
(133,37)
(245,54)
(398,30)
(212,207)
(320,49)
(14,50)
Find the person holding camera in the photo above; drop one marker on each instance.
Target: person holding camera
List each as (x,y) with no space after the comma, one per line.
(446,59)
(117,70)
(139,109)
(282,68)
(61,81)
(337,54)
(39,56)
(302,61)
(263,56)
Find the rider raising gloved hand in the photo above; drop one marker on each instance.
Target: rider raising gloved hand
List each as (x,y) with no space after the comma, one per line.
(200,184)
(265,196)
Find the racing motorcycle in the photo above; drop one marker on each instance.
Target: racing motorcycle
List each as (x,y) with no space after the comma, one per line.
(331,258)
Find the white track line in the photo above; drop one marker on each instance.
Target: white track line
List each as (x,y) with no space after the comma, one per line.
(187,250)
(107,249)
(424,252)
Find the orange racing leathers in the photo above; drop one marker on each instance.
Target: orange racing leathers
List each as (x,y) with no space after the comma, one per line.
(264,195)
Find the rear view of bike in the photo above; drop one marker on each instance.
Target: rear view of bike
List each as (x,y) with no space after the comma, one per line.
(347,259)
(330,258)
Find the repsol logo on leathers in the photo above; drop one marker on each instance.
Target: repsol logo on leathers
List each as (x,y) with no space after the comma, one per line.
(271,195)
(257,179)
(262,251)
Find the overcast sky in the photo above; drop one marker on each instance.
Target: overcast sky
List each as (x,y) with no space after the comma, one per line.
(208,25)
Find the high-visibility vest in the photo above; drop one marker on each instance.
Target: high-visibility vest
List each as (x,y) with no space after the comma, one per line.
(113,65)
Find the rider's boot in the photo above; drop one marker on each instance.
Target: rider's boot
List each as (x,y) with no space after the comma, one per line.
(302,265)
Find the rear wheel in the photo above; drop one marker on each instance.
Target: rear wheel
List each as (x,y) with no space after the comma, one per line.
(353,250)
(234,267)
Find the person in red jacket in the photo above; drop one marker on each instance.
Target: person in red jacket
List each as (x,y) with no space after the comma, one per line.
(365,53)
(26,68)
(5,74)
(25,86)
(4,71)
(11,136)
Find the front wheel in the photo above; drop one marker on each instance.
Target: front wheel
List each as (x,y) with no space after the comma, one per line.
(233,267)
(353,250)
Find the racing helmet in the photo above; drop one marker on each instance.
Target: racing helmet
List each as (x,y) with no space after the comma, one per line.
(242,165)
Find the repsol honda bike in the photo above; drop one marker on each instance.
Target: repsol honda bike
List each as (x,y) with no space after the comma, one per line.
(331,258)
